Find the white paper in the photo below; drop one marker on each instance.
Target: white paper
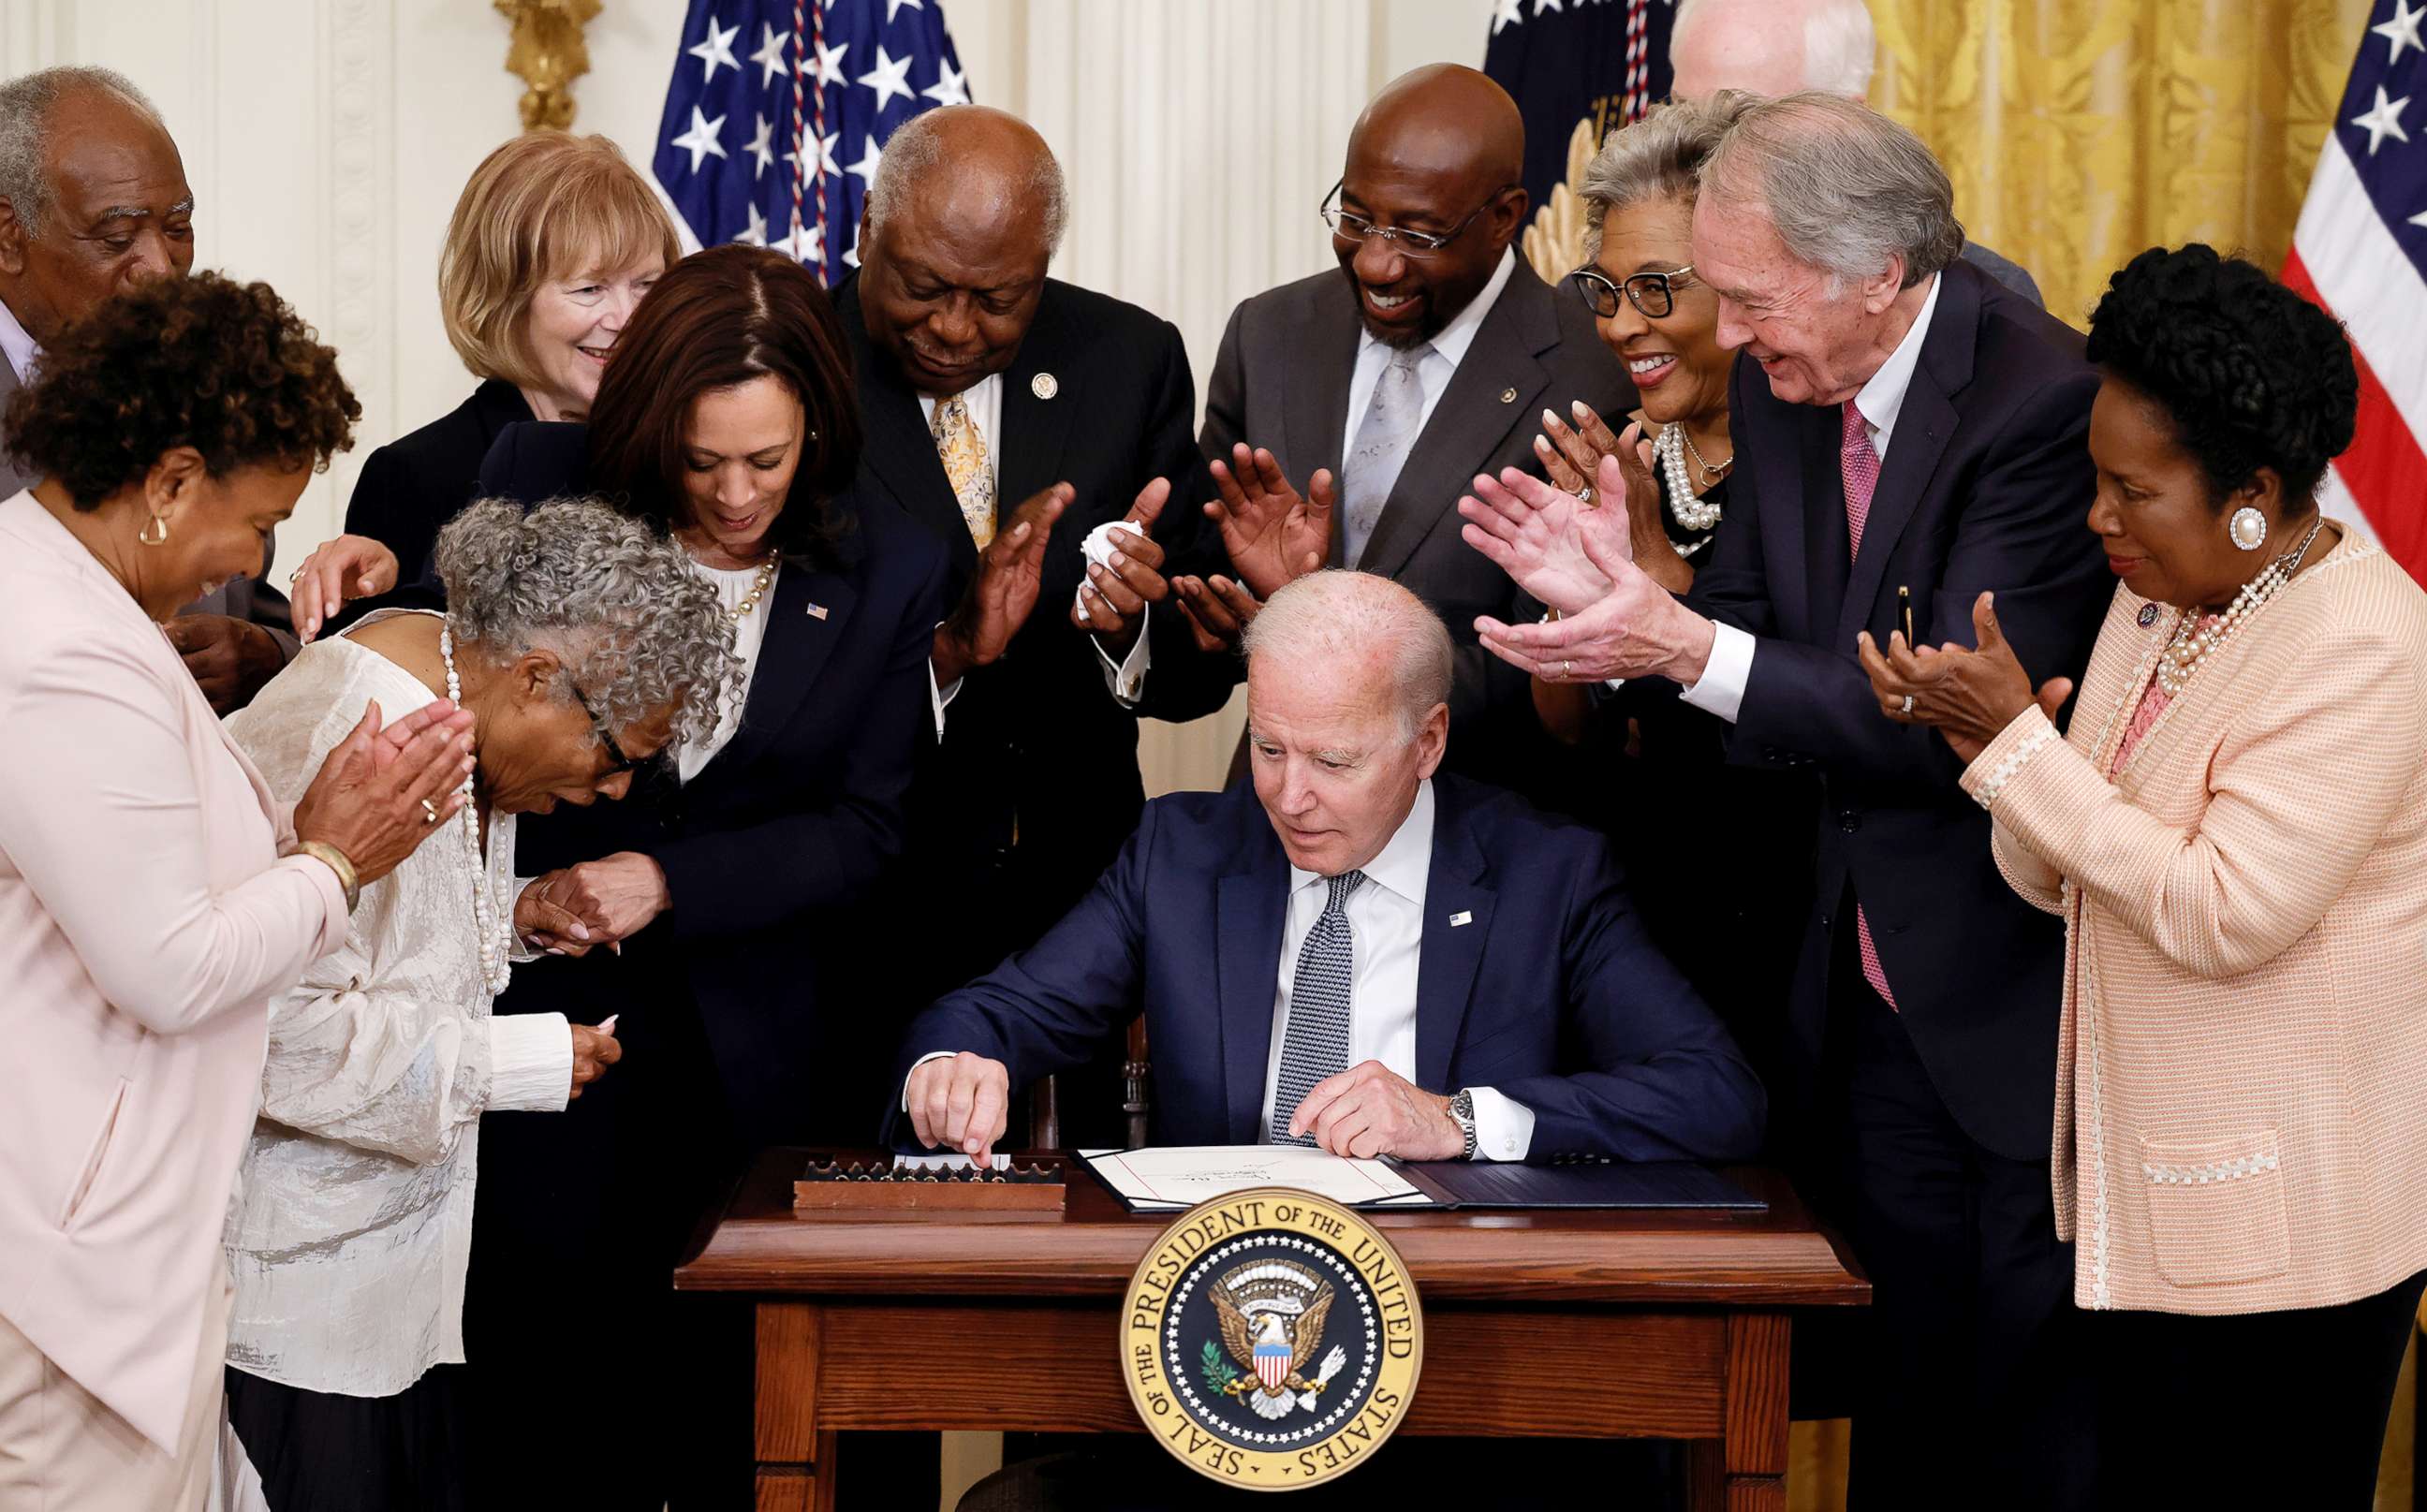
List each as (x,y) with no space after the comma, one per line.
(1183,1175)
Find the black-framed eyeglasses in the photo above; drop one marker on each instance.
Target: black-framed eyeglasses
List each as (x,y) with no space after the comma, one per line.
(1349,226)
(617,761)
(1655,294)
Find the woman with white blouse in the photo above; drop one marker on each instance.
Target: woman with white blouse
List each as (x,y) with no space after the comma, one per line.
(582,644)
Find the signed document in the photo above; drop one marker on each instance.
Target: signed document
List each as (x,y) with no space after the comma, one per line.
(1182,1175)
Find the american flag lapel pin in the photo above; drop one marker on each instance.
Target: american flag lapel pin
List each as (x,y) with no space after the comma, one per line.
(817,612)
(1461,917)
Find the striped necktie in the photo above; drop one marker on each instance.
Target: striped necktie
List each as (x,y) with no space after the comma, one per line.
(1315,1043)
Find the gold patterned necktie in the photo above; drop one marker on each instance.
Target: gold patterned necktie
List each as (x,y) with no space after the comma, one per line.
(964,454)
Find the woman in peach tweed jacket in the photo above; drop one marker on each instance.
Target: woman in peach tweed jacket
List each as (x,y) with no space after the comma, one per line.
(2233,829)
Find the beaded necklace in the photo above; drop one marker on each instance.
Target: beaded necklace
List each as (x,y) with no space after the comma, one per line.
(497,965)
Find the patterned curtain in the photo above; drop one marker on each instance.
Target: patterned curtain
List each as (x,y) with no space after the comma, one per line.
(2079,132)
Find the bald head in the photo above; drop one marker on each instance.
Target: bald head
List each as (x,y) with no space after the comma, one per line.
(963,216)
(1439,153)
(93,196)
(1772,47)
(1348,680)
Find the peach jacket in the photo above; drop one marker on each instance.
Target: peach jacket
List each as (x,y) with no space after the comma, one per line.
(145,922)
(2241,1066)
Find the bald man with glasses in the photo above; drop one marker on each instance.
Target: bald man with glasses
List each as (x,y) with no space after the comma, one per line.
(1348,411)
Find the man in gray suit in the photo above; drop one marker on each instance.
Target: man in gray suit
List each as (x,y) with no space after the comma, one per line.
(1776,47)
(92,199)
(1426,358)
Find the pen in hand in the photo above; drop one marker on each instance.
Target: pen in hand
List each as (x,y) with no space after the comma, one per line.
(1904,603)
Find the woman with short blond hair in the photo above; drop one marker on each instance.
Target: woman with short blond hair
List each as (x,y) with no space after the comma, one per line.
(552,244)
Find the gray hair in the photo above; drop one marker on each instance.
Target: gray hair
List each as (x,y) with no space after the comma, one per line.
(25,105)
(1840,44)
(1657,159)
(1846,187)
(1342,617)
(616,602)
(917,147)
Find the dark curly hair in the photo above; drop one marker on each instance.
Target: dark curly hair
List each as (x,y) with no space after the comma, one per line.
(2254,375)
(202,362)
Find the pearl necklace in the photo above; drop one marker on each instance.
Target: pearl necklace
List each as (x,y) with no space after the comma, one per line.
(496,965)
(758,586)
(1669,450)
(2191,644)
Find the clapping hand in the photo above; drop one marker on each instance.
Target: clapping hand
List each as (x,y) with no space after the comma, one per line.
(1218,610)
(1011,572)
(387,786)
(1273,535)
(1634,628)
(1968,696)
(350,566)
(1112,602)
(1572,458)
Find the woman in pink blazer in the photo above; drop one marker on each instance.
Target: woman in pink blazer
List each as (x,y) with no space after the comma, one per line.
(2233,829)
(153,894)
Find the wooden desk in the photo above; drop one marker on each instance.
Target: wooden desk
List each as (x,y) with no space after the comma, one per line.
(1679,1319)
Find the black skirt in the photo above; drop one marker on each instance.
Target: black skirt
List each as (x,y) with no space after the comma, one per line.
(320,1452)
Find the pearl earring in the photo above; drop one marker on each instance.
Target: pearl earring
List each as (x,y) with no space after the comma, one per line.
(2247,530)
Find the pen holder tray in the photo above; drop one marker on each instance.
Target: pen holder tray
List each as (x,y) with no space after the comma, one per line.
(876,1186)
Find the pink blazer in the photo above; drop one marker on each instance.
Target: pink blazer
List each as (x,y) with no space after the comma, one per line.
(145,920)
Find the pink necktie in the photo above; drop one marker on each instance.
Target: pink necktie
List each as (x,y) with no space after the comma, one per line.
(1861,466)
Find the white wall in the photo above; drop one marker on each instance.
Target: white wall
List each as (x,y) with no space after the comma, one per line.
(326,141)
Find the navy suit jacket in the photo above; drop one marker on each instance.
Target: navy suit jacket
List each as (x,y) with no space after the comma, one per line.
(1986,485)
(1552,995)
(770,847)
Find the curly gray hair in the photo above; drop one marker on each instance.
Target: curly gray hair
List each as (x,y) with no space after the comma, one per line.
(1658,158)
(25,105)
(615,601)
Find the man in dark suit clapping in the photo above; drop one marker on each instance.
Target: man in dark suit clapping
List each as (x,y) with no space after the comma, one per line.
(1012,414)
(1368,397)
(1905,424)
(1355,953)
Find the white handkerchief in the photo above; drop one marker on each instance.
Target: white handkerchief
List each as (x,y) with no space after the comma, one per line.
(1098,548)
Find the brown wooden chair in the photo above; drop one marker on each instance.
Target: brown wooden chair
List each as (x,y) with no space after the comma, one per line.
(1044,1099)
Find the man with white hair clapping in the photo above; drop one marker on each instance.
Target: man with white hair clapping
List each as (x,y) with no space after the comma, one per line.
(1357,953)
(1912,435)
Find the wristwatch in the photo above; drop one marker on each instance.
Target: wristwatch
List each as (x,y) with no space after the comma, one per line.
(1462,1107)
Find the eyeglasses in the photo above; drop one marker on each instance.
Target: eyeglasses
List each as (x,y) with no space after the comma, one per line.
(617,761)
(1349,226)
(1655,294)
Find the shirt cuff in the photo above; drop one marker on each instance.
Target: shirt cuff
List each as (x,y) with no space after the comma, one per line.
(1126,681)
(940,697)
(530,1063)
(932,1055)
(1722,688)
(1504,1130)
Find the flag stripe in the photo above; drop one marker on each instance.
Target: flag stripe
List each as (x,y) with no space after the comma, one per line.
(2357,271)
(2384,472)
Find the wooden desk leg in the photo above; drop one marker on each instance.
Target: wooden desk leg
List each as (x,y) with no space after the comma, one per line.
(795,1459)
(1745,1470)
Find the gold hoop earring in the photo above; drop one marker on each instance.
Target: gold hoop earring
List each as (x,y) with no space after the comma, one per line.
(159,523)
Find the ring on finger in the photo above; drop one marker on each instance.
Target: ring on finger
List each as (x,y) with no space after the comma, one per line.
(295,577)
(429,812)
(1906,708)
(1584,496)
(1567,669)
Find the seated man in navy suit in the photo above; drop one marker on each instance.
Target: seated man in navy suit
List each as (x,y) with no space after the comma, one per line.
(1357,955)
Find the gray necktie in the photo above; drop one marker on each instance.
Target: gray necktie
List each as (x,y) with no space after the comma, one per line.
(1384,437)
(1316,1044)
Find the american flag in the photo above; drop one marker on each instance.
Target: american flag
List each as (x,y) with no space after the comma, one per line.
(2360,252)
(778,111)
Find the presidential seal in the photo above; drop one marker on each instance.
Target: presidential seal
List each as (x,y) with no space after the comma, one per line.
(1272,1340)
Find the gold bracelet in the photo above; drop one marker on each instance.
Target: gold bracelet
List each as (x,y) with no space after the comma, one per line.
(334,860)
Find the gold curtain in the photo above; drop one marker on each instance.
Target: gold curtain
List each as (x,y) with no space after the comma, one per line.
(2079,132)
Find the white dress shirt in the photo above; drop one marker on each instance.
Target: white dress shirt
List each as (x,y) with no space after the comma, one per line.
(352,1232)
(1722,688)
(1125,679)
(17,346)
(733,585)
(1441,360)
(1386,919)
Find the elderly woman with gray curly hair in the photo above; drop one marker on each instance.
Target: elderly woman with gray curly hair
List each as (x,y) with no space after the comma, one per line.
(581,644)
